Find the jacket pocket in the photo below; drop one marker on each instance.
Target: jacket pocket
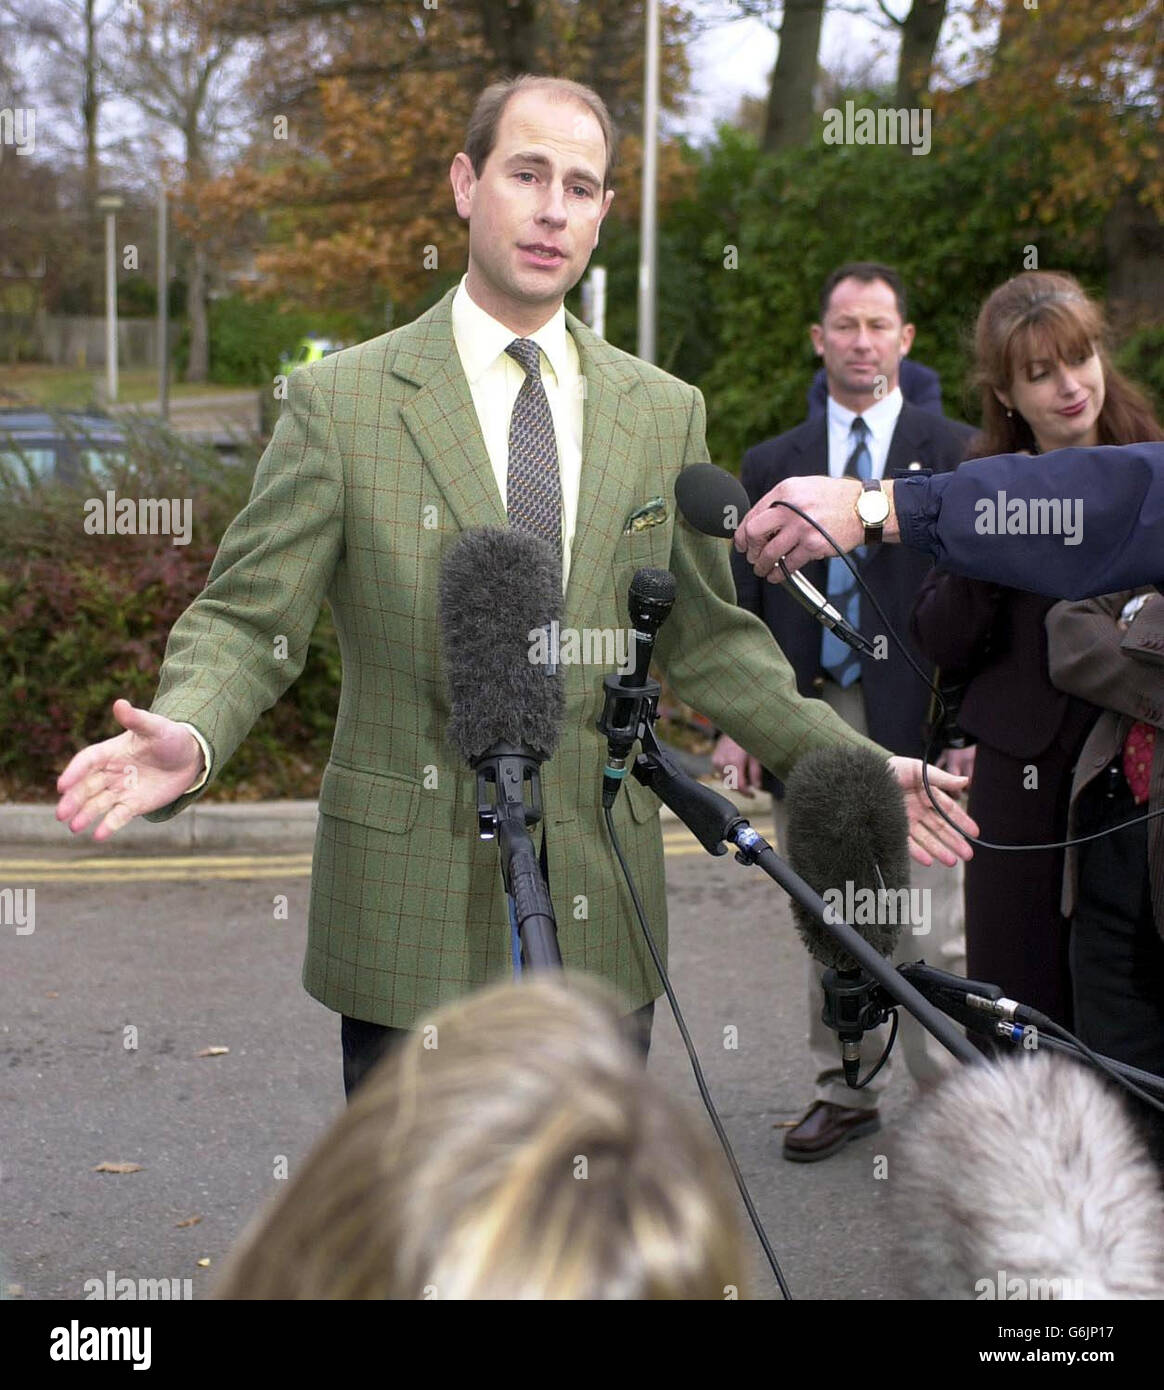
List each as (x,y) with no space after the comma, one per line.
(383,801)
(651,548)
(644,804)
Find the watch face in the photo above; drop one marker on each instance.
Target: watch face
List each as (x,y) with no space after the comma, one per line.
(873,507)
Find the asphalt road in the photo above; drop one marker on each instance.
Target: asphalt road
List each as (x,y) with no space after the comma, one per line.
(187,952)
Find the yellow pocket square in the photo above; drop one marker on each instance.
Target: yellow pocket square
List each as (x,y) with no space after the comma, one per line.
(652,513)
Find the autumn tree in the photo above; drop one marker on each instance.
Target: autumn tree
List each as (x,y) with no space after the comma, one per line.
(175,66)
(790,114)
(1071,92)
(346,174)
(66,43)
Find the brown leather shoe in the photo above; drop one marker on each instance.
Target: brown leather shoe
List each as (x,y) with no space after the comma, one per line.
(825,1129)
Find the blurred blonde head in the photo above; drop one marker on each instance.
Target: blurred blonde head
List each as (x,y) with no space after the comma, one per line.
(513,1147)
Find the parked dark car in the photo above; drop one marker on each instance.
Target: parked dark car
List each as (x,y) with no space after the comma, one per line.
(58,446)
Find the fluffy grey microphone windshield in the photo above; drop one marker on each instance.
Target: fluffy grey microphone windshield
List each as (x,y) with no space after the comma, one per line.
(500,588)
(846,816)
(1025,1178)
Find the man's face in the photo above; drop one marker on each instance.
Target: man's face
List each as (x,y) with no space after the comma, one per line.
(862,341)
(535,210)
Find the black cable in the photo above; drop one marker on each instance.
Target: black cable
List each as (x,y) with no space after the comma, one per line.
(721,1133)
(885,1055)
(1048,1025)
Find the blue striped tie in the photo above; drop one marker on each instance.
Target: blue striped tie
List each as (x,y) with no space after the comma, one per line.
(837,658)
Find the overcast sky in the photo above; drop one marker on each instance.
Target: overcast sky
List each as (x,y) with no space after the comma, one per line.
(735,58)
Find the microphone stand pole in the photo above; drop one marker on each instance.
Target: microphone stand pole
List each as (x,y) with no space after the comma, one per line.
(505,814)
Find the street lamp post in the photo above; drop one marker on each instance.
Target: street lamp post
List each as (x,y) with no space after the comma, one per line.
(648,255)
(163,307)
(110,204)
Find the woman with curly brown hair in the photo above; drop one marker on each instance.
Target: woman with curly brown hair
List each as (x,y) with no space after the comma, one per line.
(1047,383)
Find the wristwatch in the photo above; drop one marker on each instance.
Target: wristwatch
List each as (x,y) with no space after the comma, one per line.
(873,509)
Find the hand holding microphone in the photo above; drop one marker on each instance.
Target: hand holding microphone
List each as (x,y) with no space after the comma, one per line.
(777,541)
(712,501)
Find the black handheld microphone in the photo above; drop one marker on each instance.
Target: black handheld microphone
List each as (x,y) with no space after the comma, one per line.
(715,503)
(848,838)
(629,694)
(499,590)
(650,600)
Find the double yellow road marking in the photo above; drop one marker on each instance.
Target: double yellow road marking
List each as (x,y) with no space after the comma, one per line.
(110,868)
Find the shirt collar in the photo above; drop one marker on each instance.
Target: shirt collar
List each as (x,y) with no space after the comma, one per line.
(481,339)
(881,416)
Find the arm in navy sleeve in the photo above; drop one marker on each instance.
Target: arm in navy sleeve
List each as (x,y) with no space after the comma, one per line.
(1119,496)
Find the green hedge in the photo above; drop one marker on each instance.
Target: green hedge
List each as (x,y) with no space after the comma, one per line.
(85,618)
(742,261)
(247,338)
(1141,356)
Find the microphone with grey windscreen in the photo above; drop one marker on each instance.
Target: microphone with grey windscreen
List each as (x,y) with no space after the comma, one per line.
(715,503)
(500,590)
(848,838)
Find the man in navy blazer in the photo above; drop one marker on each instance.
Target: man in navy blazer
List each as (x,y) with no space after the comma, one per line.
(863,335)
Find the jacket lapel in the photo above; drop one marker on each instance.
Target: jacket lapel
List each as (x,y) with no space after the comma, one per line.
(909,438)
(809,449)
(611,473)
(442,419)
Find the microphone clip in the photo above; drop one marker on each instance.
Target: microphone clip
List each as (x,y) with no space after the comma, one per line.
(627,710)
(509,791)
(854,1004)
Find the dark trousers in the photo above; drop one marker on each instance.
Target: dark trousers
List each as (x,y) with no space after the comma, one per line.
(365,1043)
(1117,956)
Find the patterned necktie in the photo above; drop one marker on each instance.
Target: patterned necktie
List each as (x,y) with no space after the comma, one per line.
(837,658)
(1139,747)
(533,485)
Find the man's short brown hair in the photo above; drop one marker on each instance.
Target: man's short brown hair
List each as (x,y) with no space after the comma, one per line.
(482,132)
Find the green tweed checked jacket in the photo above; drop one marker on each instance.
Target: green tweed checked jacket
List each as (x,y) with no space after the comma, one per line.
(374,467)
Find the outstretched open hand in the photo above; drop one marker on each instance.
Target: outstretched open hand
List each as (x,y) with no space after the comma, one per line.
(143,769)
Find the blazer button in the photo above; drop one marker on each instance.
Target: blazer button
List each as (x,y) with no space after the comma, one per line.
(818,682)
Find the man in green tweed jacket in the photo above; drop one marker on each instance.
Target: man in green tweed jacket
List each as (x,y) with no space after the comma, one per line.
(384,453)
